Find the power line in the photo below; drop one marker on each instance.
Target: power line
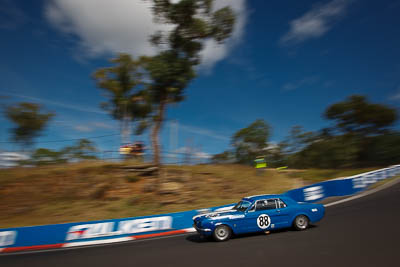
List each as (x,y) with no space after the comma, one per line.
(65,140)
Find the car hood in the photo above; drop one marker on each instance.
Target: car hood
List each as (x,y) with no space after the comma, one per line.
(217,215)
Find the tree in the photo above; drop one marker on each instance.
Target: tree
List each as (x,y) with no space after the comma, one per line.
(83,149)
(357,116)
(44,156)
(275,155)
(170,71)
(297,139)
(250,142)
(29,121)
(335,152)
(382,150)
(363,126)
(224,157)
(123,86)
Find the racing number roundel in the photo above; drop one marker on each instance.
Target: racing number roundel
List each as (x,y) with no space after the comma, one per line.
(263,221)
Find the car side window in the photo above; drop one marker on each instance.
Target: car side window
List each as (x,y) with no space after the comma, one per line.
(281,204)
(266,204)
(253,208)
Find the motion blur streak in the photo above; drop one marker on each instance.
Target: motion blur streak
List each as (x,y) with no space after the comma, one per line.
(363,232)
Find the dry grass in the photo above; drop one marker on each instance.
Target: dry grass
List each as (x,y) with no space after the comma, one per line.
(100,190)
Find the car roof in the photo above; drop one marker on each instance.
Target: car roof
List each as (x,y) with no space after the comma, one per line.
(257,197)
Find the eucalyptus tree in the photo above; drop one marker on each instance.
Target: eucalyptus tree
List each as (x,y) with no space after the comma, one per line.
(29,120)
(356,115)
(192,22)
(251,141)
(123,87)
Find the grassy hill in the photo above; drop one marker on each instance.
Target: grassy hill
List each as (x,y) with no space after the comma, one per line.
(102,190)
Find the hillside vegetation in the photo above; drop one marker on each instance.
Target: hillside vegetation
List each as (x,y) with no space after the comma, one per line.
(96,190)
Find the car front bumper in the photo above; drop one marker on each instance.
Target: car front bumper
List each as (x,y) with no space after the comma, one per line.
(203,231)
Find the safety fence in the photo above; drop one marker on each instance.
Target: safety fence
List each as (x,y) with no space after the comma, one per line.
(167,157)
(18,159)
(126,229)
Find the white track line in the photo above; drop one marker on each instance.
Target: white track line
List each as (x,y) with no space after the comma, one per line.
(366,193)
(190,230)
(91,246)
(97,242)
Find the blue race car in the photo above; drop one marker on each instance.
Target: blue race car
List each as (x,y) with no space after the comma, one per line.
(257,214)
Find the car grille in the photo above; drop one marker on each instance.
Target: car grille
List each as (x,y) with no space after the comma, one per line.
(198,223)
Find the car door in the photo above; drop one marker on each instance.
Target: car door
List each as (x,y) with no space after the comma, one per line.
(283,214)
(266,216)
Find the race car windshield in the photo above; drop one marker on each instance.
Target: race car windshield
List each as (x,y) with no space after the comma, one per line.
(242,205)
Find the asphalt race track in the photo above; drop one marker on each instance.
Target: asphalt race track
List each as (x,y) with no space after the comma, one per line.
(362,232)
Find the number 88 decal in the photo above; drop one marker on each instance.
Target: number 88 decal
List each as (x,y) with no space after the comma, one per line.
(263,221)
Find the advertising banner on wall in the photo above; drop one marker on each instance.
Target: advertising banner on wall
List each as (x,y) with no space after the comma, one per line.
(126,229)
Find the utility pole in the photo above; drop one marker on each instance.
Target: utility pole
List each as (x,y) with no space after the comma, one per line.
(173,138)
(125,126)
(189,150)
(200,152)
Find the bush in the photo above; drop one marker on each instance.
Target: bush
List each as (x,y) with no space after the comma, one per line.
(132,178)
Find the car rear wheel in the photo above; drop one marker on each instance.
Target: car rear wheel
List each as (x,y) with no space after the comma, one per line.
(301,222)
(222,233)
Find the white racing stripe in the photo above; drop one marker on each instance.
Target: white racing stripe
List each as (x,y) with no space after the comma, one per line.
(258,195)
(224,208)
(212,213)
(96,242)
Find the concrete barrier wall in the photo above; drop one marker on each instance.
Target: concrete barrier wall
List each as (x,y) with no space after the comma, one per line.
(126,229)
(98,232)
(342,186)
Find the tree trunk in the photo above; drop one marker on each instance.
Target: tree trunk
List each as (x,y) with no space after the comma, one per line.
(154,135)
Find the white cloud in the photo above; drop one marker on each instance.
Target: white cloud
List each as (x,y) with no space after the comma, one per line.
(104,26)
(202,155)
(199,154)
(83,128)
(204,132)
(396,96)
(290,86)
(316,22)
(214,52)
(87,126)
(94,126)
(182,149)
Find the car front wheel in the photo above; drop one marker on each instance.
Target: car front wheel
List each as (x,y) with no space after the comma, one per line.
(301,222)
(222,233)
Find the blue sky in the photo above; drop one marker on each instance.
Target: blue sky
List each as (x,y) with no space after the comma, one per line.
(285,63)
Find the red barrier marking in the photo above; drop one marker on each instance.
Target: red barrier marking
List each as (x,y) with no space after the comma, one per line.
(160,234)
(14,249)
(39,247)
